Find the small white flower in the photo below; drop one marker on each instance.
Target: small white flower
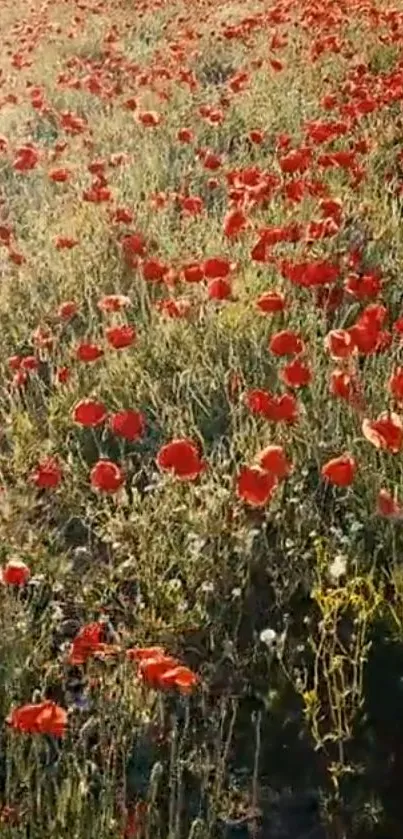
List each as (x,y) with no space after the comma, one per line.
(268,637)
(338,567)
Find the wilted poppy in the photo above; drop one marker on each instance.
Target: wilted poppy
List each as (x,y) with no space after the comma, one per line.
(255,485)
(181,457)
(340,470)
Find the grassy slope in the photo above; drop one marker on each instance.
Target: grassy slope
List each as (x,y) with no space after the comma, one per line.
(187,564)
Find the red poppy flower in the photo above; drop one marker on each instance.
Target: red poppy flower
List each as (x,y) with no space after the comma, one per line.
(65,242)
(134,244)
(48,473)
(192,273)
(192,205)
(212,161)
(273,459)
(235,222)
(368,285)
(296,374)
(384,433)
(219,289)
(345,386)
(154,271)
(185,135)
(89,413)
(59,176)
(216,267)
(44,718)
(19,379)
(14,362)
(387,505)
(174,309)
(43,337)
(296,161)
(113,302)
(319,273)
(67,310)
(179,677)
(85,643)
(135,820)
(30,362)
(15,573)
(122,215)
(120,337)
(106,476)
(151,669)
(365,337)
(256,136)
(16,257)
(181,457)
(282,408)
(128,424)
(339,343)
(340,470)
(97,194)
(255,486)
(286,342)
(26,158)
(62,375)
(142,653)
(271,302)
(88,352)
(258,401)
(395,384)
(88,643)
(150,119)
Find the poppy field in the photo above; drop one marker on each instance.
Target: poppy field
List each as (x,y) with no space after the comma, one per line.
(201,419)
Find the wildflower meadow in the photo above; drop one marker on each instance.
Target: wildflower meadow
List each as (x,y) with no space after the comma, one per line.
(201,419)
